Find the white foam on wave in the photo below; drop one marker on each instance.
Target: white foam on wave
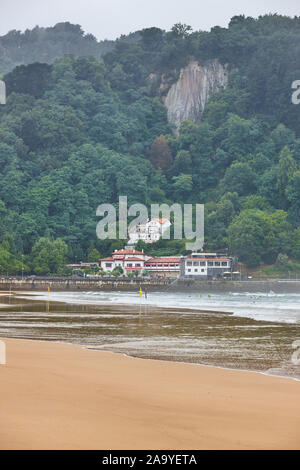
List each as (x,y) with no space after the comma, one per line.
(282,308)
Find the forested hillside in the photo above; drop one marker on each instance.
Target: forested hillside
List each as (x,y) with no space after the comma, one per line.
(82,130)
(48,44)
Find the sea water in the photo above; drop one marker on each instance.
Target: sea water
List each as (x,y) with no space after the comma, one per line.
(250,331)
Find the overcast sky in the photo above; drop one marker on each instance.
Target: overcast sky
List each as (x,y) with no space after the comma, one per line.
(108,19)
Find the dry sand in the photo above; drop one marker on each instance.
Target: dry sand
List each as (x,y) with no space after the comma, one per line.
(59,396)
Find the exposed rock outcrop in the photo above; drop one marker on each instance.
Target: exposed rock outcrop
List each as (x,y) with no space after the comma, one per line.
(187,98)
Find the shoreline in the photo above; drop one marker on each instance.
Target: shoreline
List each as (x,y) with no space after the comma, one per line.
(136,306)
(129,356)
(32,298)
(51,386)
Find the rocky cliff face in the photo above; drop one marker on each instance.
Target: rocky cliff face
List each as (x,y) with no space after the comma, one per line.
(187,98)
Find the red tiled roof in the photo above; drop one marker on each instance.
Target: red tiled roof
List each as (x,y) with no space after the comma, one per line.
(127,252)
(207,259)
(161,220)
(163,260)
(106,259)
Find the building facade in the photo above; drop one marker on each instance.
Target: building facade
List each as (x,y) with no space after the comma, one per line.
(196,265)
(149,232)
(131,260)
(205,266)
(165,266)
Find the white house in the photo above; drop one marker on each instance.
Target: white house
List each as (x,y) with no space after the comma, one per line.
(128,260)
(149,232)
(132,260)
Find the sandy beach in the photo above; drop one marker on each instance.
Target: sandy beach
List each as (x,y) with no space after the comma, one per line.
(60,396)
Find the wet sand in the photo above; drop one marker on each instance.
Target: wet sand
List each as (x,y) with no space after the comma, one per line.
(5,294)
(60,396)
(147,331)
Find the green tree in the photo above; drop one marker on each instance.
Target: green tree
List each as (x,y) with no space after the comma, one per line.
(255,235)
(152,37)
(182,162)
(181,30)
(293,196)
(117,271)
(295,244)
(33,79)
(286,168)
(239,177)
(282,260)
(48,256)
(93,256)
(9,262)
(182,186)
(256,202)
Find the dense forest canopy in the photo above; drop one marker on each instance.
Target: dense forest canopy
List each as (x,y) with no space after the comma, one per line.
(48,44)
(79,131)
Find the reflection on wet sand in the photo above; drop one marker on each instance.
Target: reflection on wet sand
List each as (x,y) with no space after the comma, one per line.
(146,331)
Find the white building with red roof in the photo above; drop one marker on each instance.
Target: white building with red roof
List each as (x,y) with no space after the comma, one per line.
(149,232)
(128,260)
(133,260)
(196,265)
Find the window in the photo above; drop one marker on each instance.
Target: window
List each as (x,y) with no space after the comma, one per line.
(129,265)
(202,270)
(189,270)
(196,270)
(196,263)
(189,263)
(210,263)
(108,265)
(217,263)
(202,263)
(224,263)
(166,265)
(137,264)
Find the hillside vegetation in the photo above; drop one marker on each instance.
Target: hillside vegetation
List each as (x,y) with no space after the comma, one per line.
(79,131)
(48,44)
